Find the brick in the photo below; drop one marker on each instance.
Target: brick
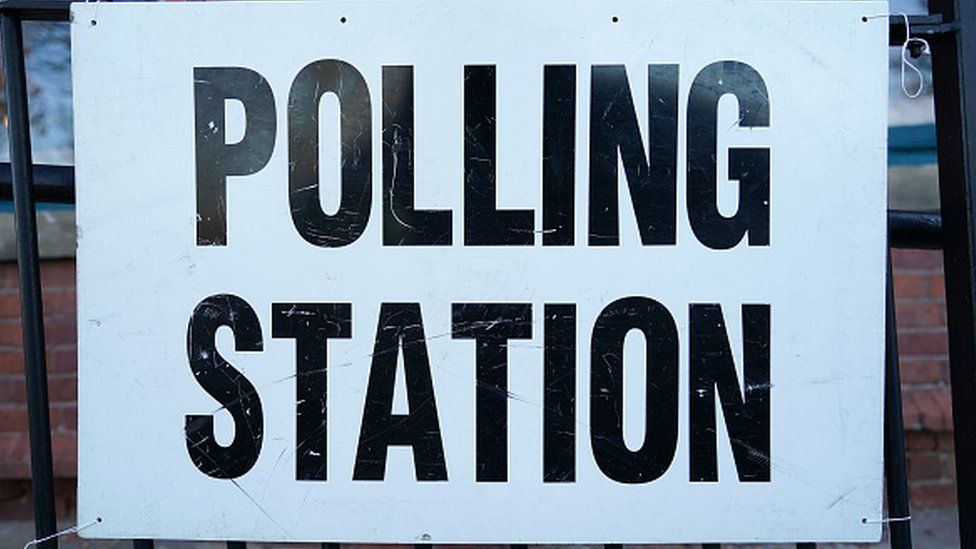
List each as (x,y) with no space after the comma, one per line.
(58,274)
(14,446)
(63,360)
(9,304)
(15,470)
(14,489)
(8,276)
(923,370)
(64,448)
(911,285)
(937,286)
(65,498)
(62,388)
(946,442)
(925,314)
(921,441)
(923,342)
(60,303)
(927,409)
(64,417)
(12,389)
(13,417)
(950,466)
(916,260)
(924,466)
(933,494)
(11,362)
(14,455)
(11,333)
(60,331)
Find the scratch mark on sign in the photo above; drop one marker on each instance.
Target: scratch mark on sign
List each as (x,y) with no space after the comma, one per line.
(841,497)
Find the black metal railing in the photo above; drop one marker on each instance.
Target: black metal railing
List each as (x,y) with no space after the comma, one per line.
(950,28)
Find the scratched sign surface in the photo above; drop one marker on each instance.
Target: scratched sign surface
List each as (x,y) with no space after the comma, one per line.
(431,271)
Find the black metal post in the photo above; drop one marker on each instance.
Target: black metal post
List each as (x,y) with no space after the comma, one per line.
(896,474)
(954,74)
(42,469)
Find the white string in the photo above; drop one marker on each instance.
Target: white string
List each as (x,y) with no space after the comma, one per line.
(94,19)
(905,62)
(886,520)
(905,56)
(64,532)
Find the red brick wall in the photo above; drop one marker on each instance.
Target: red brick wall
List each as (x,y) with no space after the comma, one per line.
(923,349)
(58,283)
(919,289)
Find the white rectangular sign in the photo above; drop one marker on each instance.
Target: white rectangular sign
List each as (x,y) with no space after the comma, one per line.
(470,271)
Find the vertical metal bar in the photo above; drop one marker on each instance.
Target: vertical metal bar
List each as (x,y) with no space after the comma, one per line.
(236,545)
(896,474)
(330,546)
(806,546)
(42,471)
(142,544)
(711,546)
(954,73)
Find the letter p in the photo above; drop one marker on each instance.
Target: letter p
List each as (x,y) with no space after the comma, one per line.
(215,158)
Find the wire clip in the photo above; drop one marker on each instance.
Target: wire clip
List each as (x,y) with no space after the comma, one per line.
(886,520)
(911,47)
(64,532)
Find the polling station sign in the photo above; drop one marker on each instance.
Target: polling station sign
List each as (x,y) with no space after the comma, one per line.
(469,271)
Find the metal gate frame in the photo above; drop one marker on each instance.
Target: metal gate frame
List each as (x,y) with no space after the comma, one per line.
(950,29)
